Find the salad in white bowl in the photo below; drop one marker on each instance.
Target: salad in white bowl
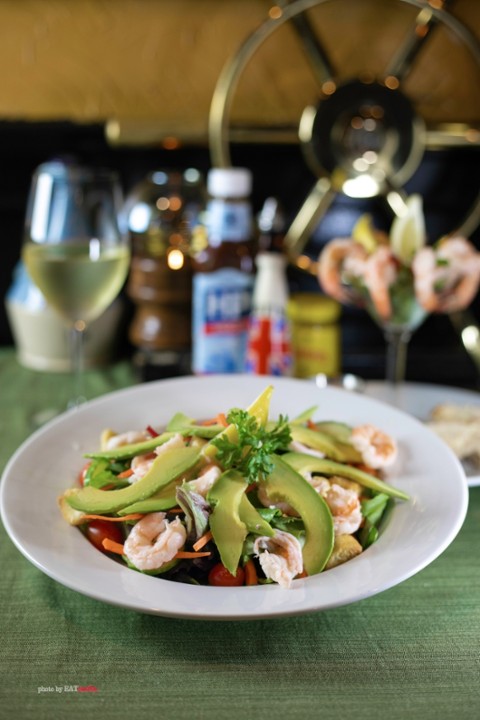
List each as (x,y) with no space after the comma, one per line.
(236,499)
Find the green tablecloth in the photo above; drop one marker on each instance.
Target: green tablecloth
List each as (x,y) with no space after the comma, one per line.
(410,652)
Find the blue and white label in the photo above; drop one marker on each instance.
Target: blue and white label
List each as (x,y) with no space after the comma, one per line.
(222,302)
(231,221)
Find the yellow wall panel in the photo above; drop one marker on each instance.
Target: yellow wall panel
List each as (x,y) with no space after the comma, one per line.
(151,63)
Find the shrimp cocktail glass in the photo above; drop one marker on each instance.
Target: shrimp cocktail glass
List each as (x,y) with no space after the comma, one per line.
(398,278)
(74,249)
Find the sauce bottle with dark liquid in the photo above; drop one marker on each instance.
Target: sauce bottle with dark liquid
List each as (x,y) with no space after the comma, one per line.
(223,274)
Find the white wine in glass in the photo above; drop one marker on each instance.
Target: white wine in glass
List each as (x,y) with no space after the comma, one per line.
(74,249)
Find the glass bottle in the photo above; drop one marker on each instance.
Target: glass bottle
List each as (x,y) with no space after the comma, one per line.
(268,350)
(223,262)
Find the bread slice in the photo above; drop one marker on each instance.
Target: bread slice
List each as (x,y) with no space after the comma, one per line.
(459,427)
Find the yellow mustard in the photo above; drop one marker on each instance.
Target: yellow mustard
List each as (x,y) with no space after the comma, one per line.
(315,333)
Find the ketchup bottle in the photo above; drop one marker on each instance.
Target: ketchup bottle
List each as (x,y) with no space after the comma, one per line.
(268,347)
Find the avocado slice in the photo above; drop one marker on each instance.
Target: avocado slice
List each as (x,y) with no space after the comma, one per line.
(254,522)
(164,499)
(302,462)
(342,434)
(124,452)
(286,485)
(165,468)
(338,430)
(228,530)
(181,423)
(327,444)
(305,415)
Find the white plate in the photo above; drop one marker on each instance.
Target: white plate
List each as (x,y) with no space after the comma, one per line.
(414,535)
(419,399)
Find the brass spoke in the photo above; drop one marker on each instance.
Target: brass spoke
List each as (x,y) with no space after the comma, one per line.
(315,52)
(451,135)
(438,136)
(314,207)
(402,62)
(260,134)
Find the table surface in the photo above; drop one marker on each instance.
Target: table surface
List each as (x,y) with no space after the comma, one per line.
(411,651)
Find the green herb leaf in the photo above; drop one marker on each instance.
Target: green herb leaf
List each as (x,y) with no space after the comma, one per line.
(103,472)
(372,510)
(250,454)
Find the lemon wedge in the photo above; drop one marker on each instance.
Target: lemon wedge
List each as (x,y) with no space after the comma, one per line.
(408,233)
(365,233)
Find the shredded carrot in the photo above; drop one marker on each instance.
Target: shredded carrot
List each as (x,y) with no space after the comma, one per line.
(175,510)
(202,541)
(367,469)
(132,516)
(251,577)
(219,419)
(125,473)
(151,431)
(112,546)
(311,425)
(186,555)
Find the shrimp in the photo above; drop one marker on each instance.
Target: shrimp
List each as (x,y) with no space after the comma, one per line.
(299,447)
(343,502)
(141,464)
(126,438)
(378,450)
(205,480)
(154,541)
(280,557)
(345,507)
(319,483)
(426,275)
(446,278)
(340,256)
(380,273)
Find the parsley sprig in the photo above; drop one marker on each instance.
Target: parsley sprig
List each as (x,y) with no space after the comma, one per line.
(250,455)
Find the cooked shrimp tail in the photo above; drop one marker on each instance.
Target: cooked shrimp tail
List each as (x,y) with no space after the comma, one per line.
(280,557)
(154,541)
(340,261)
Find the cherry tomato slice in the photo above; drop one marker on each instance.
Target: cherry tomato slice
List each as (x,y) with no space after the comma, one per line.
(221,577)
(82,473)
(97,530)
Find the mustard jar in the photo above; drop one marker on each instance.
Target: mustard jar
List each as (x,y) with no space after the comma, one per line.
(315,334)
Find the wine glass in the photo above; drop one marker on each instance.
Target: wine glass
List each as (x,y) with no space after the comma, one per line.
(406,315)
(74,249)
(400,279)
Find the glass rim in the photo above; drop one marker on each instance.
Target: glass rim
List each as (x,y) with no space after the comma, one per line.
(59,170)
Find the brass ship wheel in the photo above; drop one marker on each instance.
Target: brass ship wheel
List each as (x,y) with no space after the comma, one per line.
(362,134)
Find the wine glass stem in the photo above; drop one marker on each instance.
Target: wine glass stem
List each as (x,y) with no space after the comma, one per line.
(397,346)
(77,359)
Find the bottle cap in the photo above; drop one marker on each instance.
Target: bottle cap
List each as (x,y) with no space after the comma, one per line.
(313,308)
(229,182)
